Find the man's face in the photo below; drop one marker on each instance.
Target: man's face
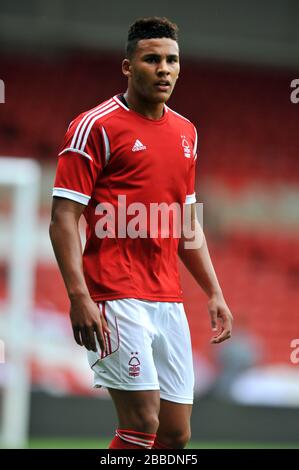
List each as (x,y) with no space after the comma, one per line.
(153,69)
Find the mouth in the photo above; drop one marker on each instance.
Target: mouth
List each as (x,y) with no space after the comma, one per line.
(163,85)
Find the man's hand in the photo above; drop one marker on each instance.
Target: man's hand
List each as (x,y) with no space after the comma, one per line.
(87,321)
(221,317)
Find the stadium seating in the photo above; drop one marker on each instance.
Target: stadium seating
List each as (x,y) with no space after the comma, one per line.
(243,131)
(260,279)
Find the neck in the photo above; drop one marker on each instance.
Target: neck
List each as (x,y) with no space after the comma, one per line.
(152,111)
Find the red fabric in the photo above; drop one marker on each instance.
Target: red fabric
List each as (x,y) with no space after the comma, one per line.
(112,152)
(128,439)
(118,443)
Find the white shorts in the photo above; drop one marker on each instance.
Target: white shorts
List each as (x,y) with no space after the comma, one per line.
(149,348)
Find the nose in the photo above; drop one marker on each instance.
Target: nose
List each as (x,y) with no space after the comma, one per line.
(163,68)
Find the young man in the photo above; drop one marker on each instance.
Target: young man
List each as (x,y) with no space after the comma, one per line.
(117,160)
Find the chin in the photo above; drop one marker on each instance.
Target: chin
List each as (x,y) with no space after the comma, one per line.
(160,97)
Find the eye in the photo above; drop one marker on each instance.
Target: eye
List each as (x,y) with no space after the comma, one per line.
(151,60)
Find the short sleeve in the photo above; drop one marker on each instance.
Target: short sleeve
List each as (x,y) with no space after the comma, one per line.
(191,195)
(81,160)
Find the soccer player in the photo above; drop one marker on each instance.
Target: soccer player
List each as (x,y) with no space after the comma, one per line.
(117,161)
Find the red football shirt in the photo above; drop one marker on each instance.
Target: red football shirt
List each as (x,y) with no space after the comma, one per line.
(112,157)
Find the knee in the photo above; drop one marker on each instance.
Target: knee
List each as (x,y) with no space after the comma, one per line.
(179,440)
(144,421)
(176,439)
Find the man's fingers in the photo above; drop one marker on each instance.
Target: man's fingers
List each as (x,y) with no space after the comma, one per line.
(226,325)
(85,338)
(100,337)
(89,333)
(105,325)
(76,332)
(225,334)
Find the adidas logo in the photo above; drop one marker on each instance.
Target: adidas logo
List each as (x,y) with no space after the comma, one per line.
(138,146)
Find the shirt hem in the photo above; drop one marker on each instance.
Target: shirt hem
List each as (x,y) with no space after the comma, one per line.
(155,298)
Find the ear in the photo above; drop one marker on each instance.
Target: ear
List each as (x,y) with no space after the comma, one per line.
(126,68)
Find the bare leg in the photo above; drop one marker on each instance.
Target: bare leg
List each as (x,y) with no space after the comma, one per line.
(137,410)
(174,430)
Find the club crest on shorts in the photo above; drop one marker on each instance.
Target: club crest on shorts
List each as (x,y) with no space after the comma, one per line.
(134,365)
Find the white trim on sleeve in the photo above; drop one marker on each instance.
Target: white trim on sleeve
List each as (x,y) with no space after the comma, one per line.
(70,194)
(71,149)
(90,122)
(107,145)
(195,145)
(81,126)
(190,198)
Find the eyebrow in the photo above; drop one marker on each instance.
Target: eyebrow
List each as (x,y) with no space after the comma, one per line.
(169,56)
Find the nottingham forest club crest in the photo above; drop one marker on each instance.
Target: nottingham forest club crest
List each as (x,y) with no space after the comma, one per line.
(134,365)
(186,147)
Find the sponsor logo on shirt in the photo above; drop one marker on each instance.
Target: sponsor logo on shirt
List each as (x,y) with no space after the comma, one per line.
(138,146)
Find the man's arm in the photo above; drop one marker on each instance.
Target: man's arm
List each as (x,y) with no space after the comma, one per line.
(65,237)
(198,262)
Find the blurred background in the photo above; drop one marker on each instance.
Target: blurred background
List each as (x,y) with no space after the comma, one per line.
(238,58)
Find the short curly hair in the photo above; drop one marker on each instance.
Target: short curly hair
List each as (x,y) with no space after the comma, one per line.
(148,28)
